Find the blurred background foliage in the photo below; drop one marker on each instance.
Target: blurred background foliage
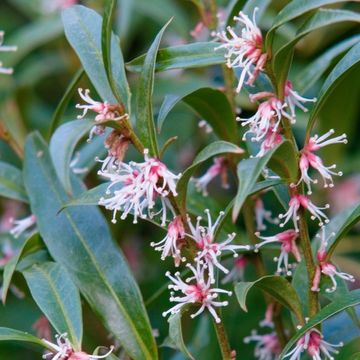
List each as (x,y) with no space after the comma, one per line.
(45,64)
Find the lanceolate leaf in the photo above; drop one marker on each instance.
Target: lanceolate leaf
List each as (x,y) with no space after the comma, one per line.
(83,31)
(95,264)
(322,18)
(89,197)
(144,112)
(215,148)
(57,296)
(11,183)
(7,334)
(278,287)
(211,105)
(348,62)
(351,299)
(182,57)
(62,146)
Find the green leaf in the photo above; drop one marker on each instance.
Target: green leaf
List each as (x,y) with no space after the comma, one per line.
(351,299)
(62,146)
(313,71)
(348,62)
(322,18)
(176,336)
(64,102)
(182,57)
(7,334)
(211,105)
(215,148)
(293,10)
(144,112)
(276,286)
(89,197)
(11,183)
(355,356)
(250,6)
(31,244)
(56,295)
(281,159)
(121,89)
(83,31)
(81,241)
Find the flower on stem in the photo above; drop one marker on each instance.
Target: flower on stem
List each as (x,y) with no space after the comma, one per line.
(271,139)
(267,346)
(104,110)
(245,50)
(262,214)
(269,314)
(3,70)
(326,267)
(313,342)
(198,292)
(22,225)
(287,239)
(210,251)
(63,350)
(267,117)
(138,185)
(172,243)
(238,270)
(308,158)
(293,99)
(295,203)
(219,167)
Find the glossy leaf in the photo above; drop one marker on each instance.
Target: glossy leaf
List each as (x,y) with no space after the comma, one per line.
(276,286)
(95,264)
(56,295)
(83,31)
(7,334)
(322,18)
(313,72)
(11,183)
(281,159)
(182,57)
(144,111)
(351,299)
(211,105)
(89,197)
(62,146)
(348,62)
(215,148)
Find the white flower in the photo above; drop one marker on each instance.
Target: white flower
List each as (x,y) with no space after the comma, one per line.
(137,187)
(245,50)
(3,70)
(262,214)
(198,292)
(22,225)
(237,272)
(210,251)
(267,347)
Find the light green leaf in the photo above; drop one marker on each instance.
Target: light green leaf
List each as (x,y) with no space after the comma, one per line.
(144,112)
(276,286)
(182,57)
(81,241)
(11,183)
(56,295)
(351,299)
(7,334)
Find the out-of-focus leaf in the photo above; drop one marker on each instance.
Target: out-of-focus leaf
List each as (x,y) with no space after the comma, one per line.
(351,299)
(293,10)
(31,244)
(351,59)
(250,6)
(83,31)
(215,148)
(281,159)
(355,356)
(182,57)
(95,264)
(144,109)
(313,72)
(11,183)
(211,105)
(322,18)
(7,334)
(276,286)
(59,299)
(62,146)
(64,102)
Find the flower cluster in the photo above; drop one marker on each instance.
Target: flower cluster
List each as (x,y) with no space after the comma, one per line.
(3,70)
(267,346)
